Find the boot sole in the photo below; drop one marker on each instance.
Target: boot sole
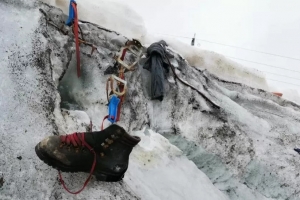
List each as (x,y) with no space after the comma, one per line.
(100,176)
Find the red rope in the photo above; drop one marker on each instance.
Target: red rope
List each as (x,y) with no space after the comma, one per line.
(76,38)
(123,54)
(103,122)
(91,172)
(121,88)
(119,108)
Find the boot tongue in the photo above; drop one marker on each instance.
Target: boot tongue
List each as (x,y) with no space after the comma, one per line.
(130,140)
(95,139)
(91,139)
(125,137)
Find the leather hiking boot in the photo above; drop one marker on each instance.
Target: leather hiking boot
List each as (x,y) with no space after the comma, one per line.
(103,153)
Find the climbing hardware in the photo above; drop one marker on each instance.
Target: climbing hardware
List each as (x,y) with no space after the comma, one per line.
(116,96)
(73,20)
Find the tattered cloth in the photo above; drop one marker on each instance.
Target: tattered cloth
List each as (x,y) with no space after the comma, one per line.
(156,62)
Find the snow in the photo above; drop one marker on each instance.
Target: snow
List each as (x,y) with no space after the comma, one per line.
(30,98)
(109,14)
(291,94)
(23,107)
(115,15)
(160,171)
(242,151)
(215,63)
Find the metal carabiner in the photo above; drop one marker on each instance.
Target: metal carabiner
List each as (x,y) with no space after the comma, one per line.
(110,82)
(135,47)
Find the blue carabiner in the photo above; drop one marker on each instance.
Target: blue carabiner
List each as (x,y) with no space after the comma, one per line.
(113,108)
(71,18)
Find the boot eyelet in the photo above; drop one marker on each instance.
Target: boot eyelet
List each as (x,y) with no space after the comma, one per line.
(110,141)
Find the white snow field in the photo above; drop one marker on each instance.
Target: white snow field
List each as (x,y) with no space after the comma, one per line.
(188,149)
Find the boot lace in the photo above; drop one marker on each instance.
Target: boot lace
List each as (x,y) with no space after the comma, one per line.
(77,139)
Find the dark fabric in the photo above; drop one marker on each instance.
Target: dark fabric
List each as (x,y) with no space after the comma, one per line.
(156,62)
(297,150)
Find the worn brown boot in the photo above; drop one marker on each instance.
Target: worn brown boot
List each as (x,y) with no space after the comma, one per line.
(106,151)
